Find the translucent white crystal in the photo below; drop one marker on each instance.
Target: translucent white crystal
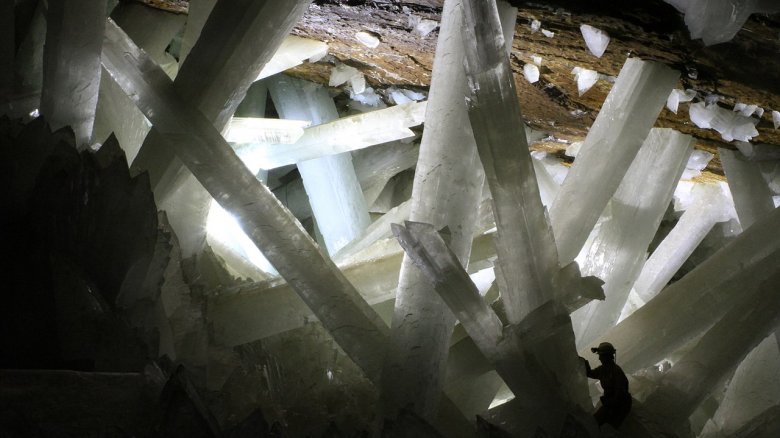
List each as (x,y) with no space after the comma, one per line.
(367,39)
(531,73)
(759,112)
(367,97)
(255,130)
(535,26)
(537,60)
(293,51)
(730,125)
(358,83)
(341,74)
(585,78)
(717,21)
(678,96)
(222,226)
(624,121)
(752,197)
(776,119)
(330,181)
(618,251)
(548,33)
(573,149)
(697,162)
(596,39)
(745,110)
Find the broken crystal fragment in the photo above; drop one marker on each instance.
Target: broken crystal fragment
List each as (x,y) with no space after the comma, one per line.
(730,125)
(548,33)
(596,39)
(585,78)
(367,39)
(531,73)
(535,26)
(697,162)
(341,74)
(679,96)
(293,51)
(537,60)
(422,26)
(745,110)
(367,97)
(776,119)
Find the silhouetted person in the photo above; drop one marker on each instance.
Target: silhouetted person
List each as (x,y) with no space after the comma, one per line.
(616,401)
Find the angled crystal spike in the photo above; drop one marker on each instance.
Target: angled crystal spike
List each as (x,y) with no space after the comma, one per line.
(718,352)
(752,197)
(71,65)
(379,229)
(337,136)
(446,192)
(334,192)
(619,248)
(687,307)
(354,325)
(754,388)
(214,78)
(293,51)
(613,141)
(708,208)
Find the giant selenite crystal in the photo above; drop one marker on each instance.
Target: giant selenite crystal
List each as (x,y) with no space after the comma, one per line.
(214,78)
(527,258)
(318,282)
(355,326)
(752,197)
(718,352)
(536,358)
(708,208)
(619,248)
(717,21)
(613,141)
(686,308)
(447,187)
(71,65)
(330,181)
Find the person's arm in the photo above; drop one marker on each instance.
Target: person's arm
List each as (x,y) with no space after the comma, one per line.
(588,371)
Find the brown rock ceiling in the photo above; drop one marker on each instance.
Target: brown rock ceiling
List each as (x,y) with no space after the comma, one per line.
(745,70)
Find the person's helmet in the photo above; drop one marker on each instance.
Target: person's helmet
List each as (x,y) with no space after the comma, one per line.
(604,348)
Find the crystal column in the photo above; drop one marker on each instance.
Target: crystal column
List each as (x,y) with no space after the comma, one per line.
(330,182)
(620,246)
(752,198)
(613,141)
(447,188)
(71,65)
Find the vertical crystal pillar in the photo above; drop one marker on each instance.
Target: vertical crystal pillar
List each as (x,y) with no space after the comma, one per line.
(334,192)
(447,188)
(71,65)
(752,197)
(708,208)
(527,257)
(613,141)
(619,249)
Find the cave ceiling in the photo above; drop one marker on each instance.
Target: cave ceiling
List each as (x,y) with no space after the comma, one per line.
(744,70)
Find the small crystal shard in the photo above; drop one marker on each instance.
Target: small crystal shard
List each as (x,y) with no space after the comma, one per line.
(585,78)
(548,33)
(776,119)
(293,51)
(531,73)
(697,162)
(537,60)
(341,74)
(535,26)
(679,96)
(596,39)
(730,125)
